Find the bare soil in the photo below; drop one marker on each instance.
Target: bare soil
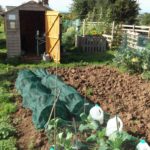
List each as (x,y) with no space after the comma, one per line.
(124,94)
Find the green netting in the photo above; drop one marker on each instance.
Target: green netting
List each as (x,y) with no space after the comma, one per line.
(39,91)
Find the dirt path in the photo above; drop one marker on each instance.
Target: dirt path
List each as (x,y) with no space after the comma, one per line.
(127,95)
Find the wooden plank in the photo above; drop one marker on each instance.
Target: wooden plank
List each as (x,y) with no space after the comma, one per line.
(53,34)
(93,44)
(143,31)
(146,27)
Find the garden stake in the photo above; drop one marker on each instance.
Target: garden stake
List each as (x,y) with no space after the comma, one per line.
(116,115)
(75,129)
(50,116)
(55,105)
(85,104)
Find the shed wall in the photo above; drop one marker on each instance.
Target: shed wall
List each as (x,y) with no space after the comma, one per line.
(13,35)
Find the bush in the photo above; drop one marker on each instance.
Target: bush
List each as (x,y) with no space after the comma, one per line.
(68,39)
(135,60)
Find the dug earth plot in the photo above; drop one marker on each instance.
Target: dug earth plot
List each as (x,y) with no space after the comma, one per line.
(127,95)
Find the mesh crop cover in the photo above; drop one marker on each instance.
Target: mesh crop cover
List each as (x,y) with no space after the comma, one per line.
(39,90)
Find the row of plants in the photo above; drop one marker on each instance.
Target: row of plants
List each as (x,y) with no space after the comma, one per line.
(87,135)
(7,107)
(135,60)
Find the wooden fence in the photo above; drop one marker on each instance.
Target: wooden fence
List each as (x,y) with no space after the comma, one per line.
(91,44)
(133,33)
(138,29)
(109,37)
(132,39)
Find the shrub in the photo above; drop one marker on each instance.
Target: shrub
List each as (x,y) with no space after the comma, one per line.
(68,38)
(135,60)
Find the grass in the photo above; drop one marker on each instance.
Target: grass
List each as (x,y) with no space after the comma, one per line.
(7,106)
(88,58)
(2,39)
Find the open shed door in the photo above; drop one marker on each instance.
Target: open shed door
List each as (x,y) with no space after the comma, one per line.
(52,22)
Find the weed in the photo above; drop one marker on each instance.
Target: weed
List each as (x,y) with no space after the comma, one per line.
(8,144)
(89,91)
(31,144)
(7,108)
(6,130)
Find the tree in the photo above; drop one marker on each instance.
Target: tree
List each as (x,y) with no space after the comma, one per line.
(124,11)
(144,19)
(1,11)
(80,8)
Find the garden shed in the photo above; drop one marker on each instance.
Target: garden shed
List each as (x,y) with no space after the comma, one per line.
(32,29)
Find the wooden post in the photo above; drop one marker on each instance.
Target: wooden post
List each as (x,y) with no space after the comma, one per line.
(133,28)
(76,41)
(112,33)
(113,29)
(83,27)
(149,33)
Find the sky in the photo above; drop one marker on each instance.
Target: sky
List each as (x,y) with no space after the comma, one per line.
(64,5)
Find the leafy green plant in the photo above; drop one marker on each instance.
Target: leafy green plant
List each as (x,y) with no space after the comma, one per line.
(89,91)
(8,144)
(92,138)
(5,97)
(135,60)
(146,75)
(116,144)
(7,108)
(31,144)
(58,125)
(87,124)
(5,84)
(6,130)
(66,140)
(68,39)
(119,140)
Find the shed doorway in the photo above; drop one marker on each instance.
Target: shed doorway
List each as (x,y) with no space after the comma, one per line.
(30,23)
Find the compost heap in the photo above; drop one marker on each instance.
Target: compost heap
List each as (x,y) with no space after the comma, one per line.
(39,91)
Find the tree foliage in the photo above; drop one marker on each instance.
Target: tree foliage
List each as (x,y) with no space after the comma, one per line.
(144,19)
(124,11)
(81,8)
(1,18)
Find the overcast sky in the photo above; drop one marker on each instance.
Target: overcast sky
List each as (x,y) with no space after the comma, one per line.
(63,5)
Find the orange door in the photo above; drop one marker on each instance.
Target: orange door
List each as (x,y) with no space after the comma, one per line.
(52,22)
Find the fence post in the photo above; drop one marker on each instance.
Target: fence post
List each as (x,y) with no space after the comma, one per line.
(133,28)
(76,40)
(113,29)
(112,33)
(83,27)
(149,33)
